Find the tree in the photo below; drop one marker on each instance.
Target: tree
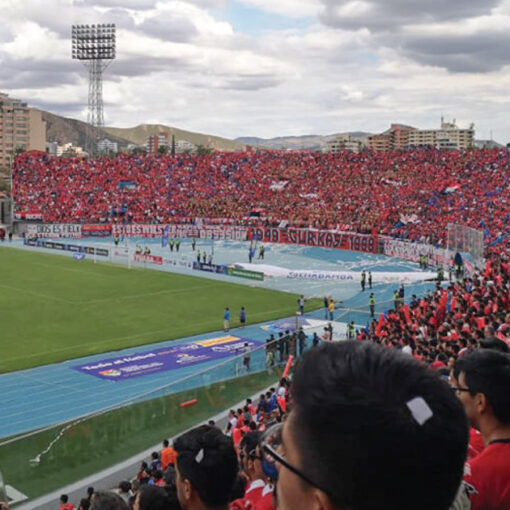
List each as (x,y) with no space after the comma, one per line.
(202,151)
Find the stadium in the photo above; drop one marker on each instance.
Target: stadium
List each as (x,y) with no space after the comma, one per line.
(251,329)
(93,288)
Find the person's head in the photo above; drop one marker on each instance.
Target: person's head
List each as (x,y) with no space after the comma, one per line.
(108,501)
(151,498)
(64,498)
(166,443)
(124,486)
(364,419)
(250,456)
(84,504)
(482,382)
(90,490)
(206,468)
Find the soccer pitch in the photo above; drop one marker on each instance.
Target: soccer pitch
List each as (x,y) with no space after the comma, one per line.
(54,308)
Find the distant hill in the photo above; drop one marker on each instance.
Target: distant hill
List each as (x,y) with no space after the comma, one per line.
(307,142)
(138,135)
(64,130)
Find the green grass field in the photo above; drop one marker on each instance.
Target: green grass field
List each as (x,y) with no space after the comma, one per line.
(54,308)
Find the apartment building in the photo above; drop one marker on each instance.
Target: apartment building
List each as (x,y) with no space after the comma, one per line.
(154,142)
(344,143)
(21,127)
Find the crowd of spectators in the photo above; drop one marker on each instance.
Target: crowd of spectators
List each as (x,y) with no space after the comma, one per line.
(361,427)
(412,195)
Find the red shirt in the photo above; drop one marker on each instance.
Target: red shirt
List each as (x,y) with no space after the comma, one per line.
(251,497)
(476,445)
(488,478)
(266,502)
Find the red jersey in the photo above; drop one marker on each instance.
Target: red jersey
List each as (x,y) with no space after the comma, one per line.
(488,478)
(476,445)
(251,497)
(266,502)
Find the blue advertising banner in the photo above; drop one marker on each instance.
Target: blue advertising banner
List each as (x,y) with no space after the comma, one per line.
(167,358)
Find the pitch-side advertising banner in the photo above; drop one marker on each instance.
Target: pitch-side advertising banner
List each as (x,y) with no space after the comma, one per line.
(167,358)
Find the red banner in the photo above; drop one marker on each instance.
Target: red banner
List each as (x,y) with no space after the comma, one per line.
(319,238)
(150,259)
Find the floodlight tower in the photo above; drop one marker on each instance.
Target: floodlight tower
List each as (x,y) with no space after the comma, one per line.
(94,45)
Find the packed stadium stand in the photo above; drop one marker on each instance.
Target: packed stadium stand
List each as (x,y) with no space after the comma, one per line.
(411,195)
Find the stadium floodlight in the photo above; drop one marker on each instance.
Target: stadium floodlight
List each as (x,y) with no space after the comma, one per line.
(95,46)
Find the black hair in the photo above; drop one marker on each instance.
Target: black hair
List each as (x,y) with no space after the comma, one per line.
(250,441)
(64,498)
(206,457)
(153,498)
(108,501)
(488,371)
(84,504)
(357,437)
(125,486)
(166,443)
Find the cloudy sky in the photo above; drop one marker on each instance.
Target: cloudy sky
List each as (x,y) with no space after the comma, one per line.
(270,67)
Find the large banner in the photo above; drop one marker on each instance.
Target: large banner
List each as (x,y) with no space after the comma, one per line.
(94,230)
(167,358)
(54,230)
(321,238)
(413,251)
(181,231)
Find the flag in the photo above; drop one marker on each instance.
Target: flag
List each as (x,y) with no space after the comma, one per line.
(164,237)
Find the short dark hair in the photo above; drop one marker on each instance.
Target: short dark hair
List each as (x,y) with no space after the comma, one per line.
(166,443)
(108,501)
(64,498)
(250,442)
(352,424)
(153,498)
(84,504)
(206,457)
(488,371)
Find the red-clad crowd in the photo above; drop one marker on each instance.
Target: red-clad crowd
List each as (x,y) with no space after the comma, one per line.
(451,321)
(412,195)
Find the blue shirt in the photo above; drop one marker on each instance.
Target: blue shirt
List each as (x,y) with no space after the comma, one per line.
(227,315)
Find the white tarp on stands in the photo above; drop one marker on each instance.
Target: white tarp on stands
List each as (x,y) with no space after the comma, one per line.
(317,326)
(341,276)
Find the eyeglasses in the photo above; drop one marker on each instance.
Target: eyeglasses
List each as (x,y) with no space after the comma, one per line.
(457,389)
(270,442)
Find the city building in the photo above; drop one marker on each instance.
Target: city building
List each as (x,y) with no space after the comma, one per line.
(51,148)
(184,146)
(344,143)
(155,142)
(68,149)
(402,137)
(107,145)
(21,128)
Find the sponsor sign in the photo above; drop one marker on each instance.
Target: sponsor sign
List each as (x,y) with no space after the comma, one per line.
(66,247)
(413,251)
(54,230)
(245,273)
(321,275)
(183,264)
(148,259)
(210,268)
(167,358)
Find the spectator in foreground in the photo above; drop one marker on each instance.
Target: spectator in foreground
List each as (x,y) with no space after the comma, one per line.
(371,428)
(482,384)
(206,469)
(152,498)
(64,503)
(108,501)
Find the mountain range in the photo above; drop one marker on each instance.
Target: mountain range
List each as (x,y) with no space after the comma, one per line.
(64,130)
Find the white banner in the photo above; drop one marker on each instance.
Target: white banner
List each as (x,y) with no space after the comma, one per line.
(54,230)
(412,252)
(181,231)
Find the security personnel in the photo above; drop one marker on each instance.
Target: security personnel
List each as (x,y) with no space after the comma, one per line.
(371,303)
(171,245)
(351,331)
(177,244)
(193,244)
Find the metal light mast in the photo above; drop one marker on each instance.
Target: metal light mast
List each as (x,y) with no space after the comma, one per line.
(94,45)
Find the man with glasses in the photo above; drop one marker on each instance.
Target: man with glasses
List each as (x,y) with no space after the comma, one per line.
(481,380)
(370,429)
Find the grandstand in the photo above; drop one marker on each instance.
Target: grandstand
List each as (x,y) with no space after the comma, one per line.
(111,220)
